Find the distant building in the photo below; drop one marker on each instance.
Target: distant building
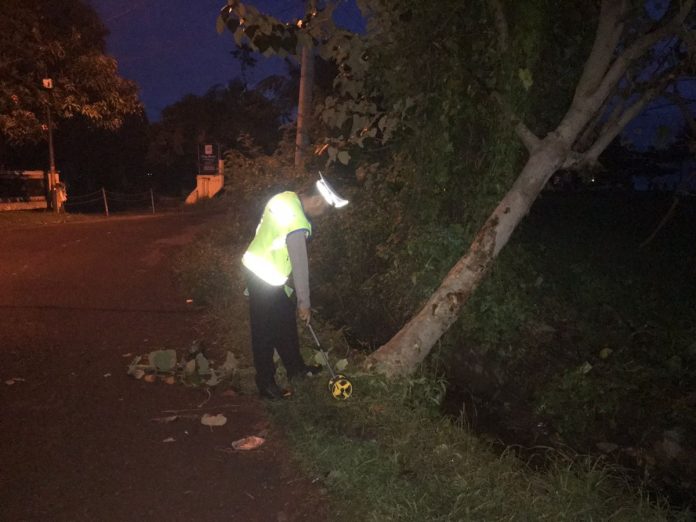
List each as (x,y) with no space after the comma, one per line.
(22,189)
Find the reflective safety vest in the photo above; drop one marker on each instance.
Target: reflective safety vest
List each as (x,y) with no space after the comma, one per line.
(267,255)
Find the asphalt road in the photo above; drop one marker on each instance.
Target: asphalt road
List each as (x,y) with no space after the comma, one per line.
(77,439)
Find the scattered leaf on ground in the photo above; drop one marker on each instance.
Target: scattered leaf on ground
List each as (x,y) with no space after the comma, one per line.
(248,443)
(230,364)
(341,365)
(202,364)
(213,420)
(166,420)
(190,367)
(163,360)
(169,439)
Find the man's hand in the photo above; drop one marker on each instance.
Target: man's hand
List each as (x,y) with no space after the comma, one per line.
(305,314)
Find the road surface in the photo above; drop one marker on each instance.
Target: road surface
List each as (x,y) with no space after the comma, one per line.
(77,439)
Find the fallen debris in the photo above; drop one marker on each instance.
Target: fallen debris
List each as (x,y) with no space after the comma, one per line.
(248,443)
(166,420)
(193,369)
(213,420)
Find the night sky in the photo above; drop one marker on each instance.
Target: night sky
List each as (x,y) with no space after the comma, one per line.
(171,48)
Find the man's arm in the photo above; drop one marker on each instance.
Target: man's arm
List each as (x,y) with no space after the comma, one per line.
(297,249)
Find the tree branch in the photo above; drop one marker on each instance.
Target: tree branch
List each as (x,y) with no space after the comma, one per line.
(616,123)
(614,126)
(587,102)
(609,30)
(637,49)
(529,139)
(684,108)
(588,135)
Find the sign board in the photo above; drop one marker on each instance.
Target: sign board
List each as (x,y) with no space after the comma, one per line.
(208,157)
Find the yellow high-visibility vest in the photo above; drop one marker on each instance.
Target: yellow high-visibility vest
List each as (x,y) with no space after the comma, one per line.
(267,255)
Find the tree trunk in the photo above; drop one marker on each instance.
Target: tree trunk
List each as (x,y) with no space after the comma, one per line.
(401,354)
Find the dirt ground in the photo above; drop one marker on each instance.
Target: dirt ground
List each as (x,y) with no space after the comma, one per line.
(77,439)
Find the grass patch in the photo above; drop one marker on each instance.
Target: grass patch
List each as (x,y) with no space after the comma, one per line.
(385,455)
(12,219)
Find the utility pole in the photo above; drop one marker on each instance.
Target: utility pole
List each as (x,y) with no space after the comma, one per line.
(48,85)
(304,104)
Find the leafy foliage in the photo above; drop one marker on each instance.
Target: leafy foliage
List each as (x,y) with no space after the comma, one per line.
(233,116)
(65,42)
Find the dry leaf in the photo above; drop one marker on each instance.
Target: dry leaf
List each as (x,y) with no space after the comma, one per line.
(166,420)
(213,420)
(170,439)
(248,443)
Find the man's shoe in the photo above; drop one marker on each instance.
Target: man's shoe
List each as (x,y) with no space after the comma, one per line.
(274,392)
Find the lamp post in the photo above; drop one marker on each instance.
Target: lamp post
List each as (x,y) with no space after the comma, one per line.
(48,85)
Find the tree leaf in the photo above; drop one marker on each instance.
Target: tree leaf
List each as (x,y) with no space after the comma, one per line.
(525,76)
(230,365)
(248,443)
(202,364)
(190,367)
(163,360)
(213,420)
(219,25)
(344,157)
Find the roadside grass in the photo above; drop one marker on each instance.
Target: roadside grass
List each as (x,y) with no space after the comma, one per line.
(385,454)
(17,218)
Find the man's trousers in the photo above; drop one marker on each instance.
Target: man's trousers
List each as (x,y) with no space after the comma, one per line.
(273,326)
